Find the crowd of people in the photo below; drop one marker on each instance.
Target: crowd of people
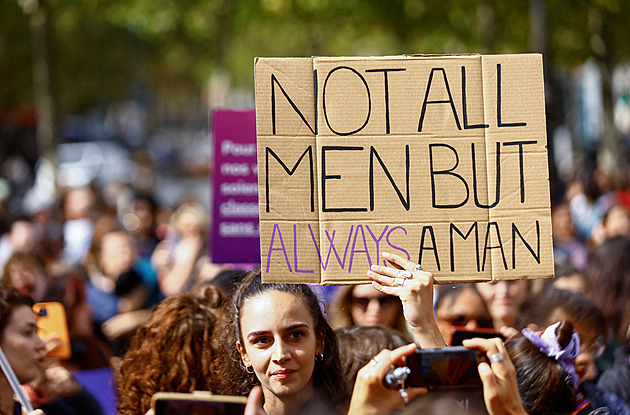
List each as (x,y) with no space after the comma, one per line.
(143,298)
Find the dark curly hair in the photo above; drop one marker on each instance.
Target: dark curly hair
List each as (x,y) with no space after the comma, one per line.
(172,352)
(330,385)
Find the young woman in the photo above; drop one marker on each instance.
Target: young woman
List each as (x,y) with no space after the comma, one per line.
(21,345)
(363,305)
(286,346)
(461,305)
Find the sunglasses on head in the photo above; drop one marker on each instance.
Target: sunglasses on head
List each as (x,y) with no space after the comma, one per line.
(384,301)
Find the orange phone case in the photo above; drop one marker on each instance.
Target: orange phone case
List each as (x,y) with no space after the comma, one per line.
(51,321)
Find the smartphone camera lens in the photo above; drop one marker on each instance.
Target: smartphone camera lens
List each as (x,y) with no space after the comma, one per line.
(42,312)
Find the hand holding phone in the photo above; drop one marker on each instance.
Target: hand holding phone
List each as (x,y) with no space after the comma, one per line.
(448,367)
(53,329)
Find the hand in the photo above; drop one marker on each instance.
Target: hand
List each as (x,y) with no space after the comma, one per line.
(254,402)
(370,396)
(123,324)
(500,388)
(62,380)
(415,293)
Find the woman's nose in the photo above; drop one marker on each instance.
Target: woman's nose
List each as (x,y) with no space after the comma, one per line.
(281,352)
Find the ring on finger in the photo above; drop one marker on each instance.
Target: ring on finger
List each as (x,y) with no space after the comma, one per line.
(497,357)
(400,281)
(418,267)
(405,274)
(374,360)
(404,395)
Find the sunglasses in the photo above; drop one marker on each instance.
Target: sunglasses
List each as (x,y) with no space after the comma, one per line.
(462,321)
(596,347)
(384,301)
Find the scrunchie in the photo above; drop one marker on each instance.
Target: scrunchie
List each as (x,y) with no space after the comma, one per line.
(548,344)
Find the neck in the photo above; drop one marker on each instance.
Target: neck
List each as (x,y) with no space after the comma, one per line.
(286,405)
(6,396)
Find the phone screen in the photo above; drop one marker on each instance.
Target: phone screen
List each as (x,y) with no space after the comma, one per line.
(449,367)
(197,407)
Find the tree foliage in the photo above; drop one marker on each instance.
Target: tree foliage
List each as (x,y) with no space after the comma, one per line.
(107,50)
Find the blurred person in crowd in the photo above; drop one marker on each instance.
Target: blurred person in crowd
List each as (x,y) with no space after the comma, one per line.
(20,238)
(49,231)
(68,287)
(589,197)
(20,343)
(616,222)
(461,305)
(283,343)
(568,278)
(566,245)
(588,320)
(616,379)
(141,224)
(358,344)
(174,351)
(25,273)
(226,281)
(363,305)
(608,274)
(504,299)
(183,251)
(78,226)
(120,290)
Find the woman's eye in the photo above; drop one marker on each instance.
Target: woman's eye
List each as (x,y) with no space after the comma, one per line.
(260,341)
(295,335)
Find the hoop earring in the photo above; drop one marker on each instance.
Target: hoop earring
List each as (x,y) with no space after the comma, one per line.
(247,368)
(319,358)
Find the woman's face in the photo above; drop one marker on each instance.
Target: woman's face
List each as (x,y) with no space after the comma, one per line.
(466,309)
(280,343)
(504,299)
(21,344)
(369,307)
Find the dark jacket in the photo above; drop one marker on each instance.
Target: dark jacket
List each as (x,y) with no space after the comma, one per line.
(616,380)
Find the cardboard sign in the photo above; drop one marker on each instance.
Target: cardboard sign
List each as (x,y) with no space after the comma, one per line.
(440,159)
(235,234)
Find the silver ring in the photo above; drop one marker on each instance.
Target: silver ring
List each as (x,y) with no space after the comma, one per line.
(497,357)
(400,281)
(405,274)
(374,360)
(418,267)
(404,395)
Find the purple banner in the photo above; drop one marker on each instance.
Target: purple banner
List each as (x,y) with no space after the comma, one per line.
(235,232)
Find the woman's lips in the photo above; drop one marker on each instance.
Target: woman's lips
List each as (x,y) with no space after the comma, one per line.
(283,374)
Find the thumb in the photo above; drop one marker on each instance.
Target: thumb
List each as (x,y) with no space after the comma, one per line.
(254,402)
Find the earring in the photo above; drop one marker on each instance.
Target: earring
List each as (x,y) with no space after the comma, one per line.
(247,369)
(319,357)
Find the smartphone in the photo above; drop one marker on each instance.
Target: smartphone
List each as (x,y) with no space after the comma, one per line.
(52,324)
(459,334)
(197,403)
(444,368)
